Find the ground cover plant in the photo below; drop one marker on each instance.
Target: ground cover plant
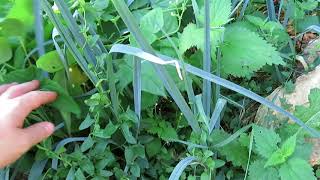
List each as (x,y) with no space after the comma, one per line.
(164,89)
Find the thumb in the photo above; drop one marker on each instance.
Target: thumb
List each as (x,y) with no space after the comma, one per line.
(37,132)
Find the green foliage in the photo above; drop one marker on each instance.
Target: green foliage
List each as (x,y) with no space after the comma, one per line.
(266,141)
(242,59)
(306,112)
(5,50)
(258,171)
(220,12)
(106,136)
(296,169)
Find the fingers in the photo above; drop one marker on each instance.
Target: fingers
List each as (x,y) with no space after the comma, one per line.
(36,133)
(32,100)
(3,88)
(20,89)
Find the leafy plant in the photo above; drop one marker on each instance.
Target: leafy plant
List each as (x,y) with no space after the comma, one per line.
(136,98)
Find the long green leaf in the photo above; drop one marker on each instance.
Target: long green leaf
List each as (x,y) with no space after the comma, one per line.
(215,79)
(180,167)
(206,89)
(170,85)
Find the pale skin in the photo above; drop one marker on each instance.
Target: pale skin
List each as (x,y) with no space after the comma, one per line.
(16,103)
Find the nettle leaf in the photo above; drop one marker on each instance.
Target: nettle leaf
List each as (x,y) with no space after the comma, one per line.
(50,62)
(242,59)
(296,169)
(191,37)
(152,21)
(282,154)
(266,140)
(5,50)
(306,112)
(220,12)
(258,171)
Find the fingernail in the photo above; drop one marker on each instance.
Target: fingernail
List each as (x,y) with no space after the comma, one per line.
(49,127)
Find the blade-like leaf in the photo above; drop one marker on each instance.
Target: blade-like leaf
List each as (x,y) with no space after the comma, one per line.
(206,89)
(217,114)
(271,10)
(222,82)
(180,167)
(170,85)
(232,137)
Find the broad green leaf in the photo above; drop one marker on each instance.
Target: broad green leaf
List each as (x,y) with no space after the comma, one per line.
(50,62)
(266,141)
(79,175)
(107,132)
(5,50)
(23,11)
(71,174)
(258,171)
(12,27)
(192,36)
(132,152)
(220,12)
(154,147)
(135,170)
(127,134)
(296,169)
(282,154)
(88,121)
(242,59)
(152,21)
(22,75)
(64,102)
(87,144)
(87,166)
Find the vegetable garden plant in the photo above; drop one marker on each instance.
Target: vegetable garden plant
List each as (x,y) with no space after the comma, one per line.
(162,88)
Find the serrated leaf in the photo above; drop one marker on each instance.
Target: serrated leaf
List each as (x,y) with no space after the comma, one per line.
(296,169)
(266,141)
(257,171)
(282,154)
(220,12)
(242,59)
(306,112)
(191,37)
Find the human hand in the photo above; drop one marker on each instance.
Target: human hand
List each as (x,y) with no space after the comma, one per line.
(16,102)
